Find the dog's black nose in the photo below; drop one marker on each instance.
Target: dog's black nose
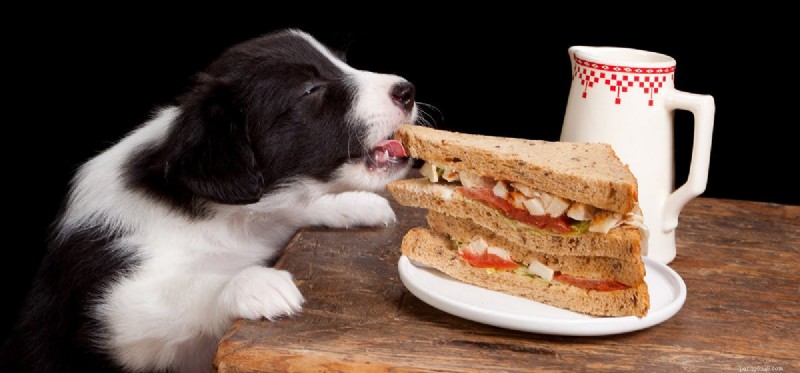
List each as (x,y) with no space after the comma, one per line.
(403,95)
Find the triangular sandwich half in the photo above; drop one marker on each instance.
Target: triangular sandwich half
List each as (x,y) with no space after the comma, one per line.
(554,222)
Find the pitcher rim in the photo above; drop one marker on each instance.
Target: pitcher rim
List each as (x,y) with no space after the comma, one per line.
(612,56)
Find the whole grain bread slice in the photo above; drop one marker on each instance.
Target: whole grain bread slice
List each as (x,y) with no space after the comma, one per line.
(589,173)
(433,249)
(627,271)
(624,242)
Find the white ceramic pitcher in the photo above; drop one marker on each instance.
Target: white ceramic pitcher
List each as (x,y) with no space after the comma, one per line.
(627,98)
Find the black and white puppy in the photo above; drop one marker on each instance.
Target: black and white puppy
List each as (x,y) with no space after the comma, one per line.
(165,235)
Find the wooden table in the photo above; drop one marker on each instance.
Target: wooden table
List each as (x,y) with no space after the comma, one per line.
(740,261)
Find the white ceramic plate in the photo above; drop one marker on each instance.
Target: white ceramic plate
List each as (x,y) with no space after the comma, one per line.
(667,294)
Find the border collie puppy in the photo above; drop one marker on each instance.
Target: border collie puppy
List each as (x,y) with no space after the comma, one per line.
(165,236)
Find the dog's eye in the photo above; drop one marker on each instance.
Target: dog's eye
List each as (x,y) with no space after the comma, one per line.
(312,89)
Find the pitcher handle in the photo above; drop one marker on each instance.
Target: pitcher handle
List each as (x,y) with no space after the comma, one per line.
(702,107)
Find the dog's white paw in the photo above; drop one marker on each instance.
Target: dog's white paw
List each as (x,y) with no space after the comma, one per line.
(261,292)
(350,209)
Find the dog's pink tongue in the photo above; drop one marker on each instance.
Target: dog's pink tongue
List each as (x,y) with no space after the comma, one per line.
(393,147)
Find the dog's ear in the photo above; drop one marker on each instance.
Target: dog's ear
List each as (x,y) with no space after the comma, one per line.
(211,153)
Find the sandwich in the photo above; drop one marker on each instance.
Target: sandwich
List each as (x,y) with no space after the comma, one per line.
(554,222)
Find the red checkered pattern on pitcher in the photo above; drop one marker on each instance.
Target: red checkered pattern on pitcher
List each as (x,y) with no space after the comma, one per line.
(620,79)
(587,77)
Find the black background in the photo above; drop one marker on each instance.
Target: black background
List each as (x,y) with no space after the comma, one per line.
(76,84)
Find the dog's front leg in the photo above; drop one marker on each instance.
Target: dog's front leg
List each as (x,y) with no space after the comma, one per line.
(348,209)
(260,292)
(174,322)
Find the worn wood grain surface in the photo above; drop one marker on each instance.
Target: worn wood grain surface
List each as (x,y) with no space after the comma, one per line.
(740,261)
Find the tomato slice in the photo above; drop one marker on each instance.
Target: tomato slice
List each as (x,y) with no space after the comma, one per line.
(487,260)
(554,224)
(590,284)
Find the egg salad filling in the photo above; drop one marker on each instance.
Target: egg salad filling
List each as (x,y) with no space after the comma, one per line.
(478,253)
(527,207)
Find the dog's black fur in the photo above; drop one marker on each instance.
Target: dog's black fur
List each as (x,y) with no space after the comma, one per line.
(236,137)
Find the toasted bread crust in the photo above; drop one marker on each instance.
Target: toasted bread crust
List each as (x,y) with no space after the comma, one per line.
(630,272)
(589,173)
(426,246)
(623,243)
